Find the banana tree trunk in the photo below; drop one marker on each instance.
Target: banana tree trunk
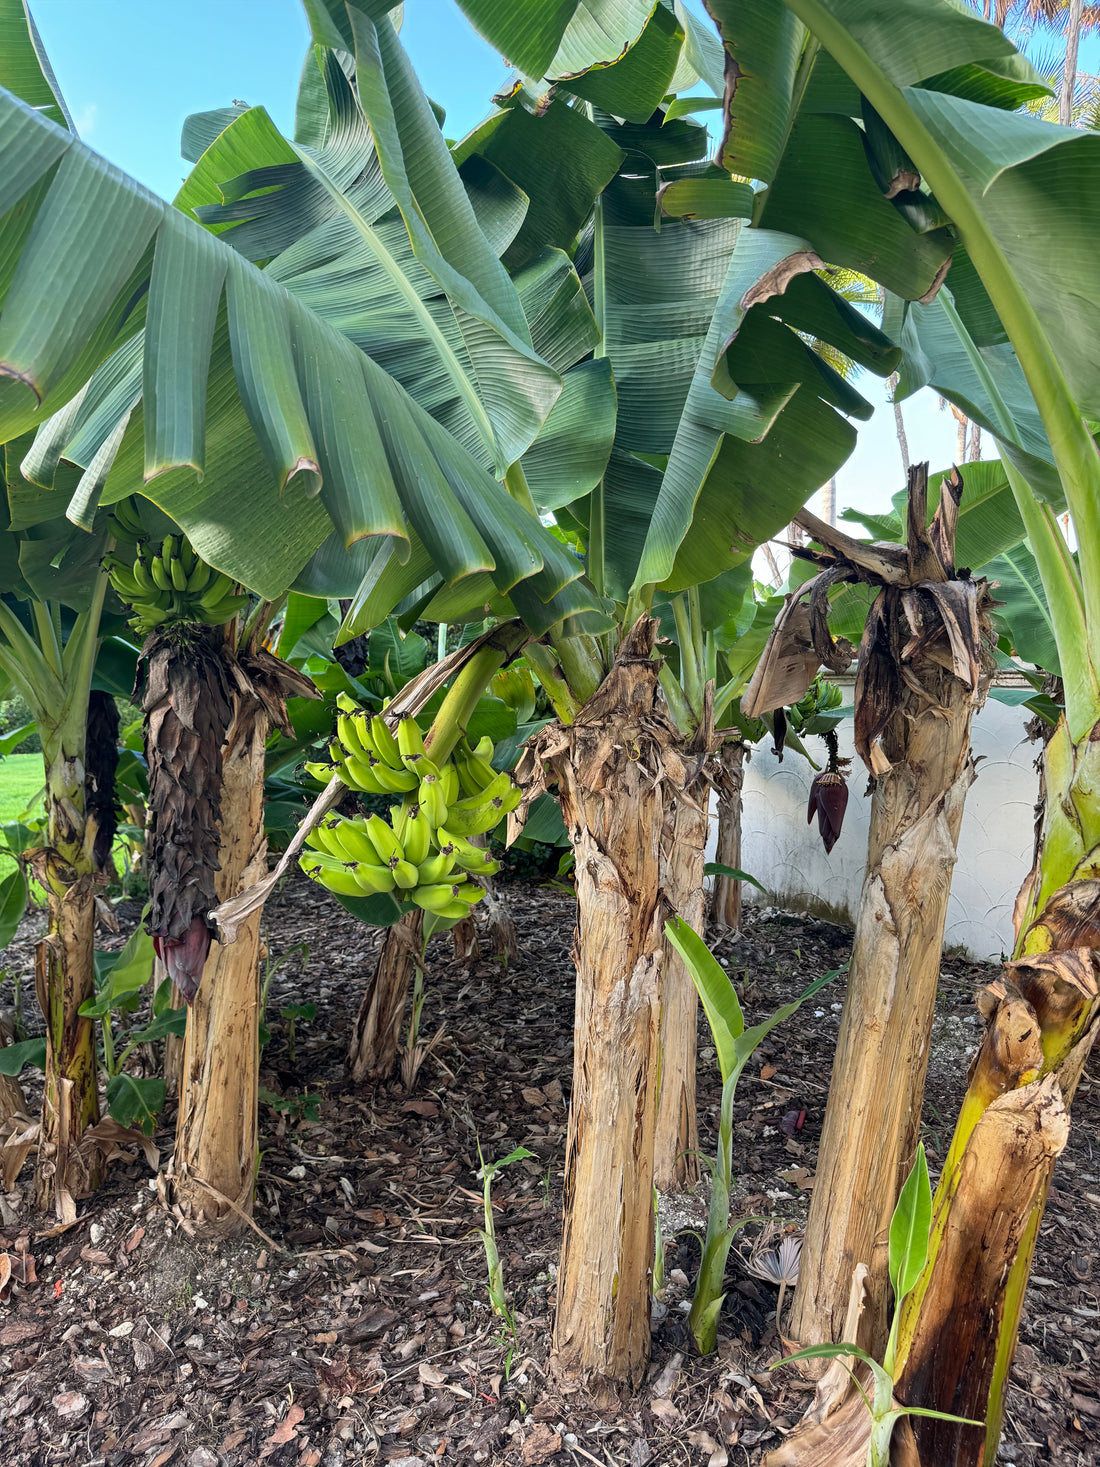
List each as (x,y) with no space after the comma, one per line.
(65,977)
(467,948)
(960,1325)
(922,673)
(215,1154)
(873,1114)
(499,928)
(608,765)
(372,1053)
(683,855)
(725,902)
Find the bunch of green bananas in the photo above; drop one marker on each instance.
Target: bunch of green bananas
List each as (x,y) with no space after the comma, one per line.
(813,713)
(424,852)
(169,584)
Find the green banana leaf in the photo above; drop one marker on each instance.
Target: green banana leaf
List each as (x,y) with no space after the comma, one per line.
(218,370)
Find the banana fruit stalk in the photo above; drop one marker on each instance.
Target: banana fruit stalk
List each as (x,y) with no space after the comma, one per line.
(424,852)
(168,583)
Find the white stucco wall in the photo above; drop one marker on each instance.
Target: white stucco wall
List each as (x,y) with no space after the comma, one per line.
(785,853)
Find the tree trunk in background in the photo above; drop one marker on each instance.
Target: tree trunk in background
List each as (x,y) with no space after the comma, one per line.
(873,1115)
(1069,68)
(683,855)
(960,1324)
(467,949)
(608,766)
(372,1053)
(215,1155)
(64,973)
(725,902)
(974,452)
(828,502)
(500,930)
(899,427)
(173,1045)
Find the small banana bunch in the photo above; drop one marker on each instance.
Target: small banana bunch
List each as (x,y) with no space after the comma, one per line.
(170,584)
(424,852)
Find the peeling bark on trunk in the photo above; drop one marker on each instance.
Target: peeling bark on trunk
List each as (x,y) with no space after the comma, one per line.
(923,670)
(215,1155)
(500,930)
(608,766)
(959,1326)
(372,1053)
(467,949)
(952,1357)
(725,902)
(64,974)
(873,1116)
(683,855)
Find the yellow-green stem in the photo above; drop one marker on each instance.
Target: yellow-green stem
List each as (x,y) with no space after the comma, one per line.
(468,688)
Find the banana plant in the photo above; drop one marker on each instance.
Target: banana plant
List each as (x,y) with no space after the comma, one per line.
(735,1046)
(51,609)
(888,123)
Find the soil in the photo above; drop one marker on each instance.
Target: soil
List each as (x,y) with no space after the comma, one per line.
(357,1329)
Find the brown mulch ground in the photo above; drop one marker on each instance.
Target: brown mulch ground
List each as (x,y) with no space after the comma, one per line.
(365,1334)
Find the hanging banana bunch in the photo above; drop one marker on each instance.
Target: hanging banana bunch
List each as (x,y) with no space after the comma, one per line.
(168,582)
(423,853)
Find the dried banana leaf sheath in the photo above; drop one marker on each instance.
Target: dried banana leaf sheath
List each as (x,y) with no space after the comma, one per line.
(187,686)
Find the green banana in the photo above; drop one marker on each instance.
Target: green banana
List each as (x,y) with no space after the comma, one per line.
(410,741)
(393,781)
(437,897)
(496,789)
(476,821)
(178,573)
(384,841)
(405,875)
(140,573)
(219,588)
(481,773)
(432,802)
(343,883)
(220,612)
(374,879)
(322,773)
(351,836)
(435,869)
(448,783)
(466,854)
(416,838)
(349,737)
(385,745)
(199,578)
(188,556)
(161,579)
(359,775)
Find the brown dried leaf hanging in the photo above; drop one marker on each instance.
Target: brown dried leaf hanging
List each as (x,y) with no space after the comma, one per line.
(187,686)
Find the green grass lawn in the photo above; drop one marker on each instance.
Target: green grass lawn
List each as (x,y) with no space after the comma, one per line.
(21,779)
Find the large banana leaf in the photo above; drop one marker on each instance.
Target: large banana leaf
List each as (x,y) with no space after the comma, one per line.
(240,381)
(1021,195)
(763,425)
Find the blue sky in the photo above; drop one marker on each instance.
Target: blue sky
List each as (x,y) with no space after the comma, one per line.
(131,71)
